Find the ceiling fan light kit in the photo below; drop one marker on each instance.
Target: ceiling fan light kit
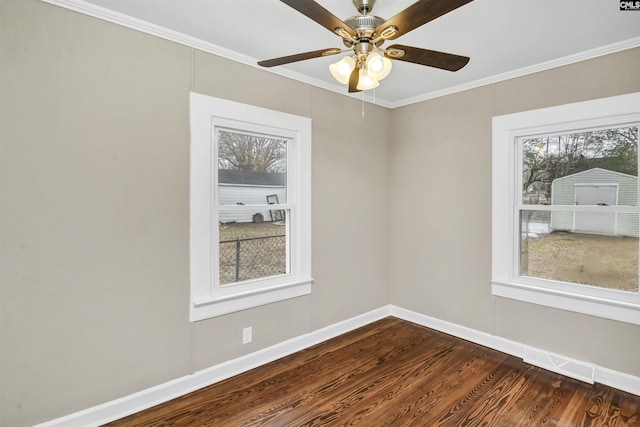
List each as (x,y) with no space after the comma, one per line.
(364,34)
(342,69)
(365,82)
(378,67)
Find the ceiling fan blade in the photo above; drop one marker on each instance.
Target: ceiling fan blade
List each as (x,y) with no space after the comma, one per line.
(418,14)
(322,16)
(430,58)
(353,80)
(298,57)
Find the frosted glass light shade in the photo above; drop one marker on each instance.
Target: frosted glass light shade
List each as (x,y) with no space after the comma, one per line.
(342,69)
(378,67)
(365,82)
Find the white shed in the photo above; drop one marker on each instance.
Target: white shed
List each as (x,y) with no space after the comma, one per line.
(596,187)
(250,188)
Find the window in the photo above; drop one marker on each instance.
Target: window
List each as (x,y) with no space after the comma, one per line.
(566,219)
(250,233)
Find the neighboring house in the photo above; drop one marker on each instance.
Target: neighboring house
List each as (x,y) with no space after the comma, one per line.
(250,188)
(596,186)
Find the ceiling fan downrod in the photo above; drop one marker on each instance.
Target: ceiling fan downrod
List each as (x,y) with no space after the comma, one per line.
(364,6)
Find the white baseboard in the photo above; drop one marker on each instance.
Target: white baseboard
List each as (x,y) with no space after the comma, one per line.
(136,402)
(145,399)
(619,380)
(501,344)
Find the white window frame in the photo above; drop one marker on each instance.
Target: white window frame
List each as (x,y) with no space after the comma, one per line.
(209,299)
(506,189)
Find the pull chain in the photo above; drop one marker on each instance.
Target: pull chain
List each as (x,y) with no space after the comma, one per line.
(374,100)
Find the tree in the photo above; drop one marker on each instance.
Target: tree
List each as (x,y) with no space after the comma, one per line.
(549,157)
(623,155)
(251,152)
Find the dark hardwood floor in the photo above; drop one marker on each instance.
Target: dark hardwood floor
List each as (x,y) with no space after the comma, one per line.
(393,372)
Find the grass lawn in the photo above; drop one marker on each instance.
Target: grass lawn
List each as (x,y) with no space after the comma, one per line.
(603,261)
(245,230)
(263,255)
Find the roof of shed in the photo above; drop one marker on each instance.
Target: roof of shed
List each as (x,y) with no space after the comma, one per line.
(596,170)
(244,177)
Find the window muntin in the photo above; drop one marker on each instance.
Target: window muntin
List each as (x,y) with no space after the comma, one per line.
(517,210)
(587,174)
(281,199)
(253,239)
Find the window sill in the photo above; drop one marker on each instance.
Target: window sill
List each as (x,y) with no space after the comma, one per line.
(621,311)
(218,305)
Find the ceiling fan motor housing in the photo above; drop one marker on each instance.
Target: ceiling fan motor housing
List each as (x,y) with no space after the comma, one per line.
(364,25)
(364,6)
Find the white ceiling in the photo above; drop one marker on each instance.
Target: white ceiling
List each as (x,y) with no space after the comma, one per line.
(504,38)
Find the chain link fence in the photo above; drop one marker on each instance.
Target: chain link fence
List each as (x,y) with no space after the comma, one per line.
(252,258)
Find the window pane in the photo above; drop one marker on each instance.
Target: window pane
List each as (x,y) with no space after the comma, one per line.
(606,258)
(251,250)
(597,167)
(251,169)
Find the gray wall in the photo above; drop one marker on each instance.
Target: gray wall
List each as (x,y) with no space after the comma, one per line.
(94,225)
(94,186)
(441,264)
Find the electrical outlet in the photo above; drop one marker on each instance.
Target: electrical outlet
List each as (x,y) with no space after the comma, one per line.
(247,335)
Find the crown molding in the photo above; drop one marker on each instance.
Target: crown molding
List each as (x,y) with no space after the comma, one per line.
(137,24)
(543,66)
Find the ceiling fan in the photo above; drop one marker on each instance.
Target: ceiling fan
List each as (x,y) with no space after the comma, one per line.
(364,34)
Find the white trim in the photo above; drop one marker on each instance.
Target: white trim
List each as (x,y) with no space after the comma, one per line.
(616,379)
(177,37)
(505,276)
(217,306)
(136,402)
(492,341)
(543,66)
(606,376)
(208,298)
(585,304)
(146,27)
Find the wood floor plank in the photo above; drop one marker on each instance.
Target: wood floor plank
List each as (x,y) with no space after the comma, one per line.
(396,373)
(365,394)
(340,378)
(439,389)
(333,397)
